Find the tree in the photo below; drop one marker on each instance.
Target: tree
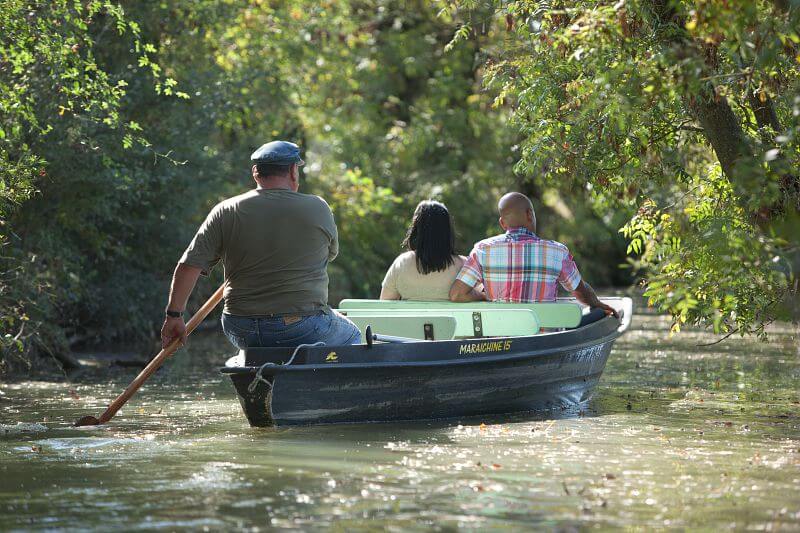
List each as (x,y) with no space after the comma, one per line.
(56,101)
(125,123)
(687,110)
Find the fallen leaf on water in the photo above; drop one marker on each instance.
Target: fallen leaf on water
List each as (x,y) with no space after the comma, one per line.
(611,476)
(74,394)
(495,465)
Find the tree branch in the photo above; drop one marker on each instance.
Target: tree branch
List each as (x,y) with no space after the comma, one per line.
(734,330)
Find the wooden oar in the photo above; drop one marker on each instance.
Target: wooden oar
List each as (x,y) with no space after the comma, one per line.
(157,361)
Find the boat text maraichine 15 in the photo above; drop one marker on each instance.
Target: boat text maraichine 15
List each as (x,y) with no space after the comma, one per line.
(432,360)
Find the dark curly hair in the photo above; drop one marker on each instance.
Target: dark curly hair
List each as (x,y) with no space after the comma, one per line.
(432,236)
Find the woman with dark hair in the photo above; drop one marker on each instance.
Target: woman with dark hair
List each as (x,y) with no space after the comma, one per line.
(427,270)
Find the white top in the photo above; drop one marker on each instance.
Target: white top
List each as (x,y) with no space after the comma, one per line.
(404,282)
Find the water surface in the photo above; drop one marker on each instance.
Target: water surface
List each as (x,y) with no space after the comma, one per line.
(678,436)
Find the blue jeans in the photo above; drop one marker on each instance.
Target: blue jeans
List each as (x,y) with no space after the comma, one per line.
(331,328)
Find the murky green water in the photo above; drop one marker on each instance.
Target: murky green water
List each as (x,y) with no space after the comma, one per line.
(678,436)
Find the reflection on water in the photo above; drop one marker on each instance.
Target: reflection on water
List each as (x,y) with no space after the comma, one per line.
(678,436)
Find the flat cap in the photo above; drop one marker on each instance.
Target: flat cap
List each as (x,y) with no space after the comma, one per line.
(278,153)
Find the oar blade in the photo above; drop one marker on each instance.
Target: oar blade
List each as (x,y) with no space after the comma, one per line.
(87,420)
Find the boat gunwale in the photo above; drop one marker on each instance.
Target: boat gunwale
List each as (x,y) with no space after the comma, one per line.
(275,368)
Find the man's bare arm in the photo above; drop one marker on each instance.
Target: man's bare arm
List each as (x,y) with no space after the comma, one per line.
(183,282)
(585,294)
(461,292)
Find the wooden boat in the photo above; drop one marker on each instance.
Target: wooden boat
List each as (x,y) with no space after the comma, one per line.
(393,378)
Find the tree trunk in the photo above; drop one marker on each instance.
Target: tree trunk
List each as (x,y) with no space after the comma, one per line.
(721,126)
(764,112)
(724,132)
(766,117)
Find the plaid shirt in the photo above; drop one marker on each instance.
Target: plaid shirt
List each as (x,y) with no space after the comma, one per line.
(520,267)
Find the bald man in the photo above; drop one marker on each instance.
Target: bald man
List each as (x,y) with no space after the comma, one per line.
(520,267)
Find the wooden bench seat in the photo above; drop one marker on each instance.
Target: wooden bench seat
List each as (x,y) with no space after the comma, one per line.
(467,322)
(428,327)
(557,314)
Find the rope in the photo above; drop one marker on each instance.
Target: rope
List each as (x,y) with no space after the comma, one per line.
(259,377)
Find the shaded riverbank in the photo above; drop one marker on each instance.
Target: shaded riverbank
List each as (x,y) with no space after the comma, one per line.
(677,436)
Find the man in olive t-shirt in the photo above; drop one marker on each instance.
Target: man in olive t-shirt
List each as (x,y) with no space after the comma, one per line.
(275,244)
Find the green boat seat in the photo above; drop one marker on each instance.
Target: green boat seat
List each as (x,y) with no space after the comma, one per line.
(427,327)
(467,322)
(557,314)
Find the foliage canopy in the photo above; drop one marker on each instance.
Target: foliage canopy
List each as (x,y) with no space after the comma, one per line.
(121,124)
(687,110)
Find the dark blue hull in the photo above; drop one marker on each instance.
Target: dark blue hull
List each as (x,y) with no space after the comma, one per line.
(423,380)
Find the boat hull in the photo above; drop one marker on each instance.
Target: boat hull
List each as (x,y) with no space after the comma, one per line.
(424,380)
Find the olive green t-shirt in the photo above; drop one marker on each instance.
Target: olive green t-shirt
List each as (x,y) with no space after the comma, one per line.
(274,245)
